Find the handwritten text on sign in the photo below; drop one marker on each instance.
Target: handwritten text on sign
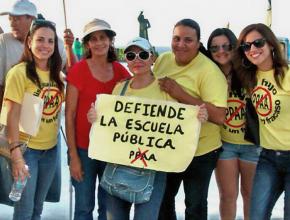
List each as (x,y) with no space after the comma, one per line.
(144,133)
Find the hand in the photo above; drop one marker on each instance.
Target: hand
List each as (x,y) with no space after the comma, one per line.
(68,43)
(171,87)
(75,167)
(68,38)
(18,165)
(92,114)
(202,113)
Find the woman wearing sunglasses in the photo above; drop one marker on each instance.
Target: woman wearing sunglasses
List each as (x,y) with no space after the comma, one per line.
(239,157)
(38,73)
(97,73)
(265,75)
(139,57)
(192,78)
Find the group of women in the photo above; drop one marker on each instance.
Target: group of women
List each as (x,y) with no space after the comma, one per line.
(251,66)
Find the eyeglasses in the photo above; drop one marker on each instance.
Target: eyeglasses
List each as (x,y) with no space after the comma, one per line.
(143,55)
(216,48)
(37,22)
(258,43)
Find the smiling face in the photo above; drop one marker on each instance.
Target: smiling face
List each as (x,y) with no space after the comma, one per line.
(139,66)
(98,43)
(261,57)
(185,44)
(223,50)
(42,45)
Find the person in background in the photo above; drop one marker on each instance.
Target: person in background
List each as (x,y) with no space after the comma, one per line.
(191,78)
(139,58)
(38,73)
(1,30)
(97,73)
(266,76)
(239,157)
(78,48)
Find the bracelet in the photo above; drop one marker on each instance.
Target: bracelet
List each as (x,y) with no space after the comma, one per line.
(14,143)
(14,147)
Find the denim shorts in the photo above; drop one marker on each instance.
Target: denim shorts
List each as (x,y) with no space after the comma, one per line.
(249,153)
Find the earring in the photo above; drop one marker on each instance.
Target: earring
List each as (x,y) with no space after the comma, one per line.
(273,54)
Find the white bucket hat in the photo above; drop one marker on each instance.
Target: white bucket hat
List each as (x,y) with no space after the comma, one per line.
(97,25)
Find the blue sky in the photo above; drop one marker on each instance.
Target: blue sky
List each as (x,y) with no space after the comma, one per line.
(162,14)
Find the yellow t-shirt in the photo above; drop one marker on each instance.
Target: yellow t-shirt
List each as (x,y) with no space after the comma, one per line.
(273,108)
(233,129)
(151,91)
(202,79)
(17,84)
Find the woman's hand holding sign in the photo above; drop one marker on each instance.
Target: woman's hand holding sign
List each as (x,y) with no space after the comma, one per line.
(92,114)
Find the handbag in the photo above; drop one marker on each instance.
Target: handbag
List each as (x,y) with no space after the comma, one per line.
(131,184)
(252,132)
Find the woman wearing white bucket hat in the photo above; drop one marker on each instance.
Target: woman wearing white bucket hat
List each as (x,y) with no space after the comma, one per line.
(97,73)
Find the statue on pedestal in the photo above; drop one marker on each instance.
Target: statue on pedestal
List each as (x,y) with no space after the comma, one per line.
(144,24)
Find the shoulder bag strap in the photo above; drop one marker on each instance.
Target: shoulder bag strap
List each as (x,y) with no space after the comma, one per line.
(125,87)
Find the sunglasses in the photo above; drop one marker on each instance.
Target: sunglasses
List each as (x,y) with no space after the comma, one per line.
(259,43)
(216,48)
(143,55)
(37,22)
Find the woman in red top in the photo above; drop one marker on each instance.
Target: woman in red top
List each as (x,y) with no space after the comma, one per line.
(97,73)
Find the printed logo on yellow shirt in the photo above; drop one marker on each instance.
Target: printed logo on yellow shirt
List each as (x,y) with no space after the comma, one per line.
(235,114)
(52,101)
(267,106)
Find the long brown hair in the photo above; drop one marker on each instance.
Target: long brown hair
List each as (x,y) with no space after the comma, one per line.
(54,62)
(247,71)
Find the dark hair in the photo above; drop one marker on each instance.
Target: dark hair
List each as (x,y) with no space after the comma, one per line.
(54,62)
(236,85)
(112,56)
(187,22)
(222,32)
(246,70)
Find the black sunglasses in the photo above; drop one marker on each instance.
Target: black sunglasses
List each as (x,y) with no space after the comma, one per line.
(143,55)
(37,22)
(216,48)
(258,43)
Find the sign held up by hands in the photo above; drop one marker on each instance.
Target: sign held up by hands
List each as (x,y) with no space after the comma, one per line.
(144,133)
